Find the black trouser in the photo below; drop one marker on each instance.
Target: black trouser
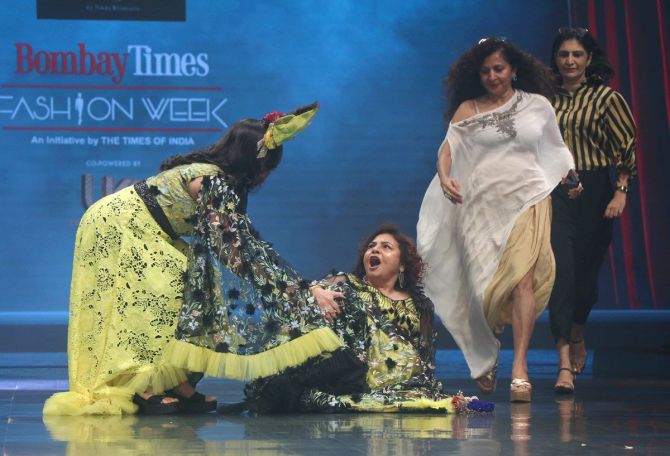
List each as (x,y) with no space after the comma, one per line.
(580,236)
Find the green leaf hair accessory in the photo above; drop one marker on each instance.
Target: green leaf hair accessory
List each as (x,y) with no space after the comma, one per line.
(281,129)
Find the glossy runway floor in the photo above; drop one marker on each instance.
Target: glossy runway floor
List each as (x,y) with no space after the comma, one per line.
(605,416)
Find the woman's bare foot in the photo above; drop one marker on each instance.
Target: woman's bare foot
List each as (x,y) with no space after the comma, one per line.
(565,381)
(165,400)
(186,389)
(578,355)
(149,403)
(577,349)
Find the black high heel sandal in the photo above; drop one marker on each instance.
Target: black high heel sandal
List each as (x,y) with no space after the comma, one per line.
(194,404)
(154,405)
(565,388)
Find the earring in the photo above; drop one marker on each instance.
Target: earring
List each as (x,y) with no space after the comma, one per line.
(514,77)
(401,278)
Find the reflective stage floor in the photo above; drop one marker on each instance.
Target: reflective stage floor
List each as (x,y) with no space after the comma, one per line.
(605,416)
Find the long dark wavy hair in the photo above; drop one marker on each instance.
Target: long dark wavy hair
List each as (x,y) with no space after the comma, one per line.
(237,153)
(463,81)
(414,270)
(600,69)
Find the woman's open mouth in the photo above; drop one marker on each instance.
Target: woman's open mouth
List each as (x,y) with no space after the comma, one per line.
(374,262)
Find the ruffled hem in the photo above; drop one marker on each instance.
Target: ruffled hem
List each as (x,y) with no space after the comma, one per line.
(422,405)
(250,367)
(116,399)
(448,405)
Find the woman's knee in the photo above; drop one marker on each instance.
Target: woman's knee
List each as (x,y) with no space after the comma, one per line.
(525,285)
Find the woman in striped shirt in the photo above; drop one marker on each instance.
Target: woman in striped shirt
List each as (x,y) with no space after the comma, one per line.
(598,127)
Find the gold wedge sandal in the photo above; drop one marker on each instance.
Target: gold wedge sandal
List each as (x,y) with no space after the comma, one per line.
(520,390)
(487,382)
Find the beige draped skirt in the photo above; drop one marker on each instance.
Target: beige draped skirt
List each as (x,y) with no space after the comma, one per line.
(528,247)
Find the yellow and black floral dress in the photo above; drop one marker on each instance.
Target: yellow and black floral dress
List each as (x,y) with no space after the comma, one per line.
(246,313)
(131,272)
(386,337)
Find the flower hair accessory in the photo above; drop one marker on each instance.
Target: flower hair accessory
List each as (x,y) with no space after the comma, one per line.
(282,127)
(270,117)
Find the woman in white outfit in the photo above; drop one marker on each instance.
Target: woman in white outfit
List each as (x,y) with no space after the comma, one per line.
(484,225)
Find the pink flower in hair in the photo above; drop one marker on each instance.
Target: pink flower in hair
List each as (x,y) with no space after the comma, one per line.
(270,117)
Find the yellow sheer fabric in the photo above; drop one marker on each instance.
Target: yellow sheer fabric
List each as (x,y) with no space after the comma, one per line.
(124,301)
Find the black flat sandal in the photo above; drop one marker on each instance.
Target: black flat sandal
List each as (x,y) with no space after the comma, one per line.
(194,404)
(154,405)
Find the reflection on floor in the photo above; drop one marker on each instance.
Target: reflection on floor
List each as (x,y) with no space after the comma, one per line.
(605,416)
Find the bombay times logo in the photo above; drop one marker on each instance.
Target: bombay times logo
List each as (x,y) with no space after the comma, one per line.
(110,100)
(136,90)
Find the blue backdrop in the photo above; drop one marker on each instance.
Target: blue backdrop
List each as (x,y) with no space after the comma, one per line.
(86,106)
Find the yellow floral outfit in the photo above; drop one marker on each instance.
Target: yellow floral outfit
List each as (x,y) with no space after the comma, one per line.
(398,359)
(127,292)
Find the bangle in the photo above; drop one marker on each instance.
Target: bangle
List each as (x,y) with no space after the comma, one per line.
(622,188)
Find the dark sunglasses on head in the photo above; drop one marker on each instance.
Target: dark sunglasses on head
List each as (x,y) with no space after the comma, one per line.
(497,38)
(579,31)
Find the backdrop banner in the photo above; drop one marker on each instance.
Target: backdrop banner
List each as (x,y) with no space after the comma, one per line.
(89,106)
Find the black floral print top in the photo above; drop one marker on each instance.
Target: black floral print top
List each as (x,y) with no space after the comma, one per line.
(240,297)
(384,334)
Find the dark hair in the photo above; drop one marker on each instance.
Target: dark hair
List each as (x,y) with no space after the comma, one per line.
(600,67)
(236,154)
(409,257)
(464,83)
(414,269)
